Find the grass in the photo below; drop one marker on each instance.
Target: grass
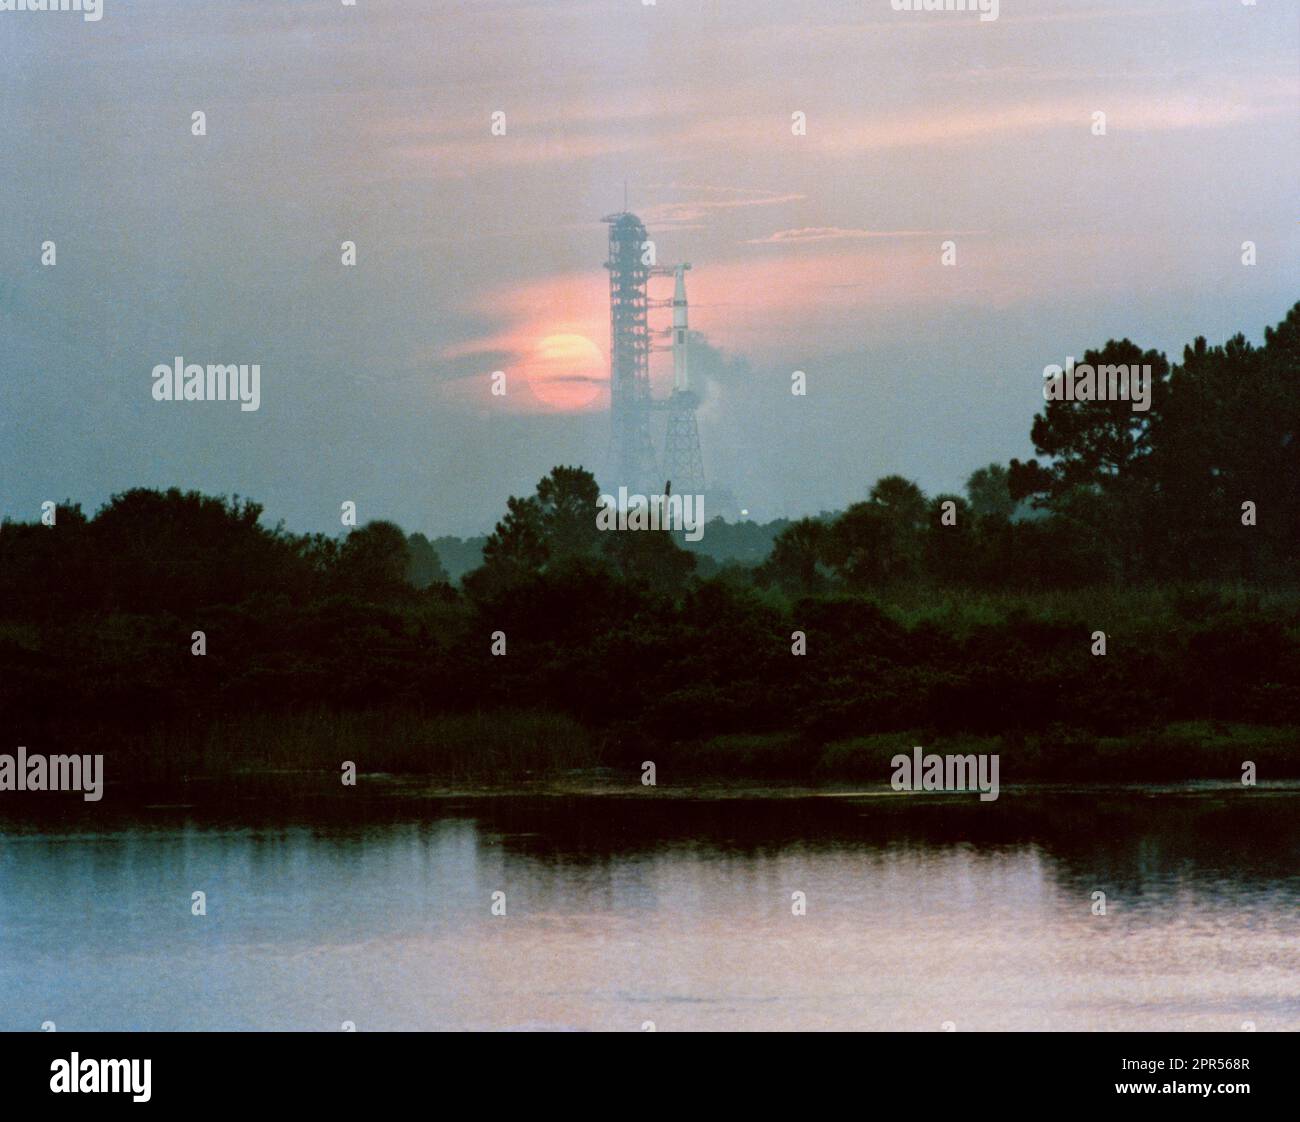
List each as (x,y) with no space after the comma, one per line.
(516,746)
(486,747)
(1198,750)
(1136,605)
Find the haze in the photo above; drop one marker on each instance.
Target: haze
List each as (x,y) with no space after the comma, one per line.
(476,252)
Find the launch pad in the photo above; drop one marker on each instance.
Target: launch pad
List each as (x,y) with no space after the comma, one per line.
(632,459)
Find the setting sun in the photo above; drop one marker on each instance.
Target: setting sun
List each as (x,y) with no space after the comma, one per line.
(566,371)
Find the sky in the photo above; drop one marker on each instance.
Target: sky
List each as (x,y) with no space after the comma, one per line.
(817,251)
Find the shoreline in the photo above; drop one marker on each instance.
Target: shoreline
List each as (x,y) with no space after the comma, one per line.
(511,744)
(302,791)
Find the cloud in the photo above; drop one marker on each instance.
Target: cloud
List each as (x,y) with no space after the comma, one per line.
(837,233)
(950,121)
(693,210)
(463,157)
(530,323)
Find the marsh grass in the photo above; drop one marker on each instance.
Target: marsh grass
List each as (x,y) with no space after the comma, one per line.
(959,610)
(487,747)
(514,746)
(1193,750)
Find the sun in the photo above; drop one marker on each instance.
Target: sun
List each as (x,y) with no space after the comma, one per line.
(565,371)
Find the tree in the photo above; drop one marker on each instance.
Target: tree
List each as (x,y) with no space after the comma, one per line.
(1102,448)
(857,546)
(880,541)
(989,494)
(553,528)
(176,551)
(902,502)
(649,556)
(797,561)
(513,552)
(1093,443)
(567,502)
(950,541)
(1231,434)
(374,561)
(426,566)
(903,508)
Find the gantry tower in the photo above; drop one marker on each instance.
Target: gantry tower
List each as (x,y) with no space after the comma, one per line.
(631,453)
(632,457)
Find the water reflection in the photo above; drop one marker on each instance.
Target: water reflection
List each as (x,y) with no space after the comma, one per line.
(622,910)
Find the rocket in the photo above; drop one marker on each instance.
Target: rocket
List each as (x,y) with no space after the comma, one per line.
(681,371)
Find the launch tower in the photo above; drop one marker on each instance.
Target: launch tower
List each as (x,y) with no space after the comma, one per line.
(632,455)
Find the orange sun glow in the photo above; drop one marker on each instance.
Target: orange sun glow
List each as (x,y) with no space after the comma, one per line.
(566,371)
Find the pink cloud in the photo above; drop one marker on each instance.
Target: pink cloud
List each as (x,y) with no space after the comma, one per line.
(837,233)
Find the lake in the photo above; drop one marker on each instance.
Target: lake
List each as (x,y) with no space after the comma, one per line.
(622,909)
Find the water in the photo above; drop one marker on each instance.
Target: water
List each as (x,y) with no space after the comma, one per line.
(626,910)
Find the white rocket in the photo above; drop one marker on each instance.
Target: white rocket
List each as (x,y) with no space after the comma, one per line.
(681,370)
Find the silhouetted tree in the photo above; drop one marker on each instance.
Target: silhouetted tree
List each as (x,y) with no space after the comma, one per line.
(858,547)
(567,506)
(950,541)
(880,541)
(177,551)
(1230,435)
(426,566)
(797,562)
(1093,443)
(649,556)
(374,562)
(513,552)
(989,495)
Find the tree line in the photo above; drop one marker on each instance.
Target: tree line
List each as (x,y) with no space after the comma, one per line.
(98,614)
